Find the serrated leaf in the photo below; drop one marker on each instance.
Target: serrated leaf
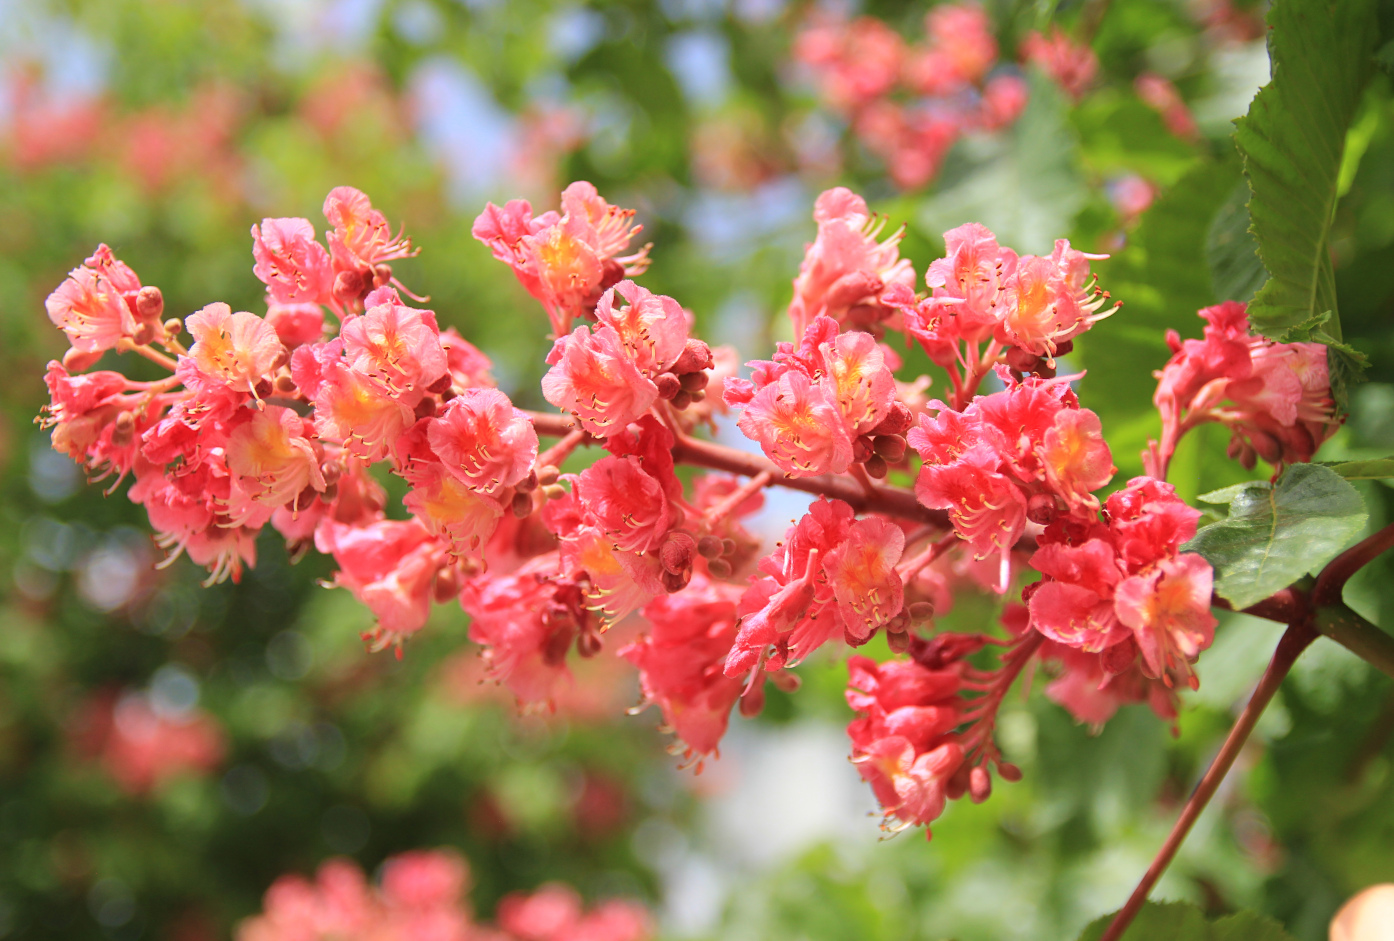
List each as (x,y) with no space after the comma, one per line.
(1374,469)
(1235,270)
(1293,140)
(1182,921)
(1275,534)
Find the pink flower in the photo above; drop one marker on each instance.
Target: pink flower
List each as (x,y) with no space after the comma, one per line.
(856,61)
(142,747)
(565,261)
(630,507)
(845,269)
(362,413)
(963,32)
(554,913)
(451,509)
(390,567)
(1168,610)
(95,306)
(293,266)
(272,461)
(652,328)
(1051,301)
(296,324)
(594,378)
(1161,96)
(361,236)
(483,440)
(863,577)
(469,368)
(398,347)
(973,280)
(1072,66)
(680,661)
(797,427)
(235,350)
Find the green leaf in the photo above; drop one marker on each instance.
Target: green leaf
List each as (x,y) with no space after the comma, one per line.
(1276,534)
(1375,469)
(1182,921)
(1025,186)
(1235,270)
(1293,141)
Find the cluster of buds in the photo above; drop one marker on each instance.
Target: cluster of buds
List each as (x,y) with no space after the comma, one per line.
(908,102)
(268,421)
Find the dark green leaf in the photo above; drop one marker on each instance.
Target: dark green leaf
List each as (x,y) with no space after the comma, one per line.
(1293,140)
(1235,270)
(1276,534)
(1376,469)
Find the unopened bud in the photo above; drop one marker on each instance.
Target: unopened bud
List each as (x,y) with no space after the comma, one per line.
(589,644)
(861,448)
(528,484)
(753,701)
(285,385)
(1042,508)
(898,642)
(682,400)
(876,466)
(719,568)
(890,447)
(979,784)
(675,581)
(694,381)
(425,408)
(1009,772)
(554,491)
(348,286)
(668,385)
(897,421)
(548,474)
(957,785)
(75,361)
(263,388)
(441,384)
(150,304)
(382,274)
(920,611)
(728,546)
(522,505)
(174,326)
(447,585)
(676,552)
(698,396)
(709,547)
(695,356)
(1021,360)
(1066,347)
(144,334)
(123,429)
(304,500)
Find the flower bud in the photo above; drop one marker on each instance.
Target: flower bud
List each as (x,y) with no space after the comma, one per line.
(897,421)
(694,381)
(447,585)
(861,448)
(150,304)
(957,785)
(728,546)
(898,642)
(668,385)
(675,581)
(920,611)
(528,484)
(554,491)
(676,552)
(979,784)
(522,505)
(709,547)
(682,400)
(695,356)
(547,475)
(174,326)
(349,286)
(699,395)
(425,408)
(75,361)
(382,274)
(284,385)
(876,466)
(442,384)
(1008,771)
(589,643)
(123,429)
(719,568)
(890,447)
(144,334)
(1042,508)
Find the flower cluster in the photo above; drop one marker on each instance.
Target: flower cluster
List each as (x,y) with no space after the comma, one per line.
(909,102)
(1275,398)
(1071,65)
(422,898)
(279,420)
(142,745)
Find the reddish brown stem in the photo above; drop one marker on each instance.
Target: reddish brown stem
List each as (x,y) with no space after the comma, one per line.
(1339,570)
(751,487)
(890,501)
(560,451)
(1295,640)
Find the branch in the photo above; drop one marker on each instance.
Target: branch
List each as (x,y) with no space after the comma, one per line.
(1357,635)
(1293,642)
(1339,570)
(890,501)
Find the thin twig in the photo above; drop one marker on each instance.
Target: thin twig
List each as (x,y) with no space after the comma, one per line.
(1339,570)
(1295,640)
(1357,635)
(738,496)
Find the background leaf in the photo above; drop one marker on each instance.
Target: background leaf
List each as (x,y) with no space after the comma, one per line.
(1293,139)
(1375,469)
(1276,534)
